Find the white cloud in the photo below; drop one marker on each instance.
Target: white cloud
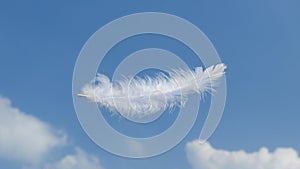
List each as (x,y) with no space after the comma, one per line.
(27,139)
(24,137)
(204,156)
(79,160)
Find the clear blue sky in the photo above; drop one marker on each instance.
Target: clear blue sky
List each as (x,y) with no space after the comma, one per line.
(258,40)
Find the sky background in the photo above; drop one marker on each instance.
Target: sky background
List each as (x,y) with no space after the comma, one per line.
(258,40)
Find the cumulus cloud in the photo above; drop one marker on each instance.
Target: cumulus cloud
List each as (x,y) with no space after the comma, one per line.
(24,137)
(79,160)
(204,156)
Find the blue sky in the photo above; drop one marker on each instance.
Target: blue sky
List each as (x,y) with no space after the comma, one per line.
(258,40)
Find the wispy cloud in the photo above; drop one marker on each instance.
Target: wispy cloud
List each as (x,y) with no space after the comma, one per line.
(204,156)
(79,160)
(24,137)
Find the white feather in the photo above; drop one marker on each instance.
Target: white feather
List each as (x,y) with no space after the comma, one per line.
(142,96)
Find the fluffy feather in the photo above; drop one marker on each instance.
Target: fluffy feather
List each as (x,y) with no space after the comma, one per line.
(142,96)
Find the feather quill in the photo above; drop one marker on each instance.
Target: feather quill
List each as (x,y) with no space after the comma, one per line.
(142,96)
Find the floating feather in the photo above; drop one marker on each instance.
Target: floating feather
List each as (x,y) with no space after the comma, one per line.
(141,96)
